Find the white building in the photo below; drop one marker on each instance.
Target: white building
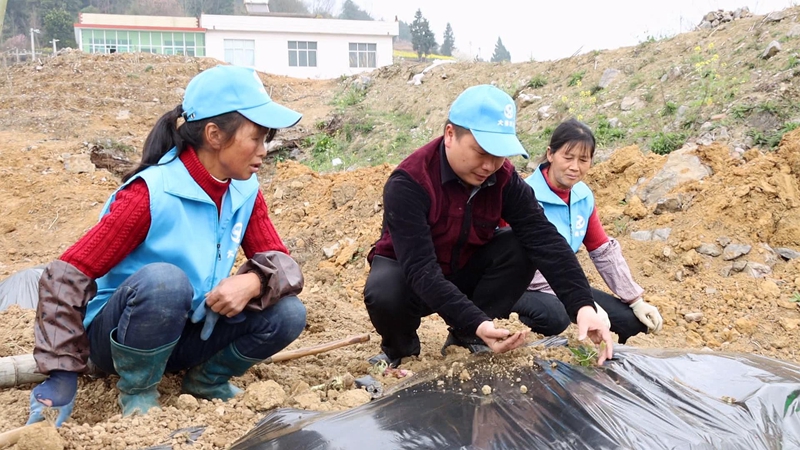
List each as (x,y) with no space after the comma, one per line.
(300,47)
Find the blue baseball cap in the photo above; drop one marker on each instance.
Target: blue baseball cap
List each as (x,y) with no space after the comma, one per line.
(491,115)
(224,89)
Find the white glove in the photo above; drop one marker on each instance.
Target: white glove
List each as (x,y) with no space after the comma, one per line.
(648,315)
(603,315)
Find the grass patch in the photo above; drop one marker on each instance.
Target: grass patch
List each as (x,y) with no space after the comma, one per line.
(539,80)
(605,134)
(669,109)
(665,143)
(576,78)
(770,140)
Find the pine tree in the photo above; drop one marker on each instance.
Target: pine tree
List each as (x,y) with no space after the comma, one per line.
(500,52)
(448,44)
(422,38)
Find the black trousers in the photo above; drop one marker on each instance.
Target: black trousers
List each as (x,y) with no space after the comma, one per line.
(493,279)
(545,314)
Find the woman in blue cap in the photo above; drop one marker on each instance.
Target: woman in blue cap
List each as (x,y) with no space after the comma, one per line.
(569,204)
(148,289)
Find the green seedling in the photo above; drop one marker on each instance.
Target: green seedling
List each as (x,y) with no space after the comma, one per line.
(585,355)
(795,297)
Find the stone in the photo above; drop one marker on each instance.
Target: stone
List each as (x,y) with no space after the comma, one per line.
(709,250)
(608,76)
(733,251)
(738,266)
(80,163)
(723,241)
(668,205)
(787,253)
(124,115)
(693,316)
(772,49)
(644,235)
(757,270)
(631,104)
(661,234)
(794,31)
(544,112)
(681,167)
(330,251)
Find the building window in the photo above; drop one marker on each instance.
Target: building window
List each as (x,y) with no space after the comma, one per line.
(240,52)
(363,54)
(123,41)
(302,54)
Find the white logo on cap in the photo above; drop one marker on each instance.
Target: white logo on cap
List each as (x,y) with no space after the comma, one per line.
(509,111)
(261,88)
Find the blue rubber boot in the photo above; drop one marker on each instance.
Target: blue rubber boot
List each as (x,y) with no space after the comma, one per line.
(139,371)
(209,380)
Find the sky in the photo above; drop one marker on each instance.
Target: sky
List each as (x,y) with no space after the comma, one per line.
(549,30)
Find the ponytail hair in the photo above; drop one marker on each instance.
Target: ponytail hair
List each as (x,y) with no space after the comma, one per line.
(166,134)
(160,140)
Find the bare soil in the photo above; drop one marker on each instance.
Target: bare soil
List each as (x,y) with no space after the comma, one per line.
(72,102)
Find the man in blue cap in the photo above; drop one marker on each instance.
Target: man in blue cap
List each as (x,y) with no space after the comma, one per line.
(441,250)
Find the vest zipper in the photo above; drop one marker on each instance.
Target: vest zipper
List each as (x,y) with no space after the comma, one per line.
(219,256)
(466,225)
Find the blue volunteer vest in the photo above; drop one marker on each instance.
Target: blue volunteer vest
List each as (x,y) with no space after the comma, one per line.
(185,230)
(570,220)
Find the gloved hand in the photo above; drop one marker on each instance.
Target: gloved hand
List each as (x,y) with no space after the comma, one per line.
(56,392)
(211,317)
(648,315)
(603,315)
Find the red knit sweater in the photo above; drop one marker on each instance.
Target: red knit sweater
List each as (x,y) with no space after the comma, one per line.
(128,221)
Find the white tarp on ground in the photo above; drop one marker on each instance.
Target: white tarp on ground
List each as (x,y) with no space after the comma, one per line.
(21,289)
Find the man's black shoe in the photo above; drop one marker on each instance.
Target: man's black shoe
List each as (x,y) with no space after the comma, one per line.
(393,363)
(474,344)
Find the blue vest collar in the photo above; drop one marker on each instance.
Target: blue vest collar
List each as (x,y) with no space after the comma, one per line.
(181,184)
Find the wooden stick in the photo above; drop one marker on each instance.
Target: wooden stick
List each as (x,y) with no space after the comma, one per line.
(21,369)
(319,348)
(9,438)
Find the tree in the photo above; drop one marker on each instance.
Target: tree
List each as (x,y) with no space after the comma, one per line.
(157,8)
(500,52)
(288,6)
(422,38)
(197,7)
(58,24)
(448,44)
(404,32)
(323,8)
(351,11)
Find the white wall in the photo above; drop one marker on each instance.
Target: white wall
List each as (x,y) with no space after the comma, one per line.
(272,34)
(272,52)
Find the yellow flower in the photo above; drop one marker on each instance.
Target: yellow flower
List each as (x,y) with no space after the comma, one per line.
(709,101)
(580,116)
(698,49)
(710,45)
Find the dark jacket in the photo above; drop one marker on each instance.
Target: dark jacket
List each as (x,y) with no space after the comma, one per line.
(434,223)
